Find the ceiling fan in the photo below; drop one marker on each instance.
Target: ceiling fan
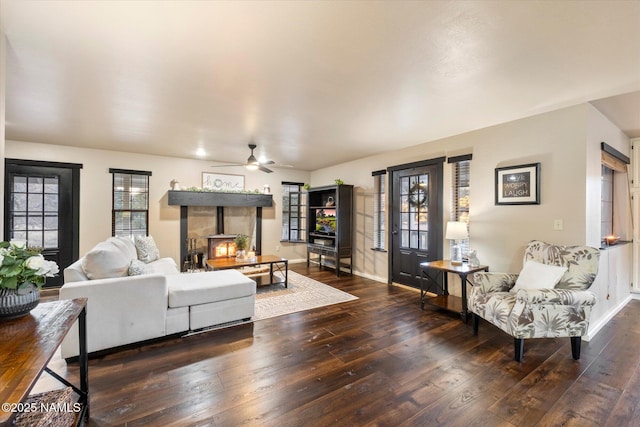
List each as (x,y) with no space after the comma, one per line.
(252,163)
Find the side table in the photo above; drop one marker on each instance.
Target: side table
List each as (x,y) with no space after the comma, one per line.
(429,272)
(28,344)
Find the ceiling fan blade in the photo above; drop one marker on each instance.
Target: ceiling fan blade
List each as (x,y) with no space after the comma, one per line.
(263,169)
(268,162)
(227,165)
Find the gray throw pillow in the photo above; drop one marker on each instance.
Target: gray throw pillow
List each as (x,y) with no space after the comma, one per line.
(147,249)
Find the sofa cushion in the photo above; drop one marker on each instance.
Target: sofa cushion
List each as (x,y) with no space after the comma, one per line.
(146,249)
(162,265)
(105,260)
(535,275)
(200,288)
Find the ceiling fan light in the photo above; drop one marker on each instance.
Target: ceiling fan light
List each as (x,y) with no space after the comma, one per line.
(251,166)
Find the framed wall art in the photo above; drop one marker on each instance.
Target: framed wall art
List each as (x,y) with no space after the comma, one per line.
(222,182)
(518,185)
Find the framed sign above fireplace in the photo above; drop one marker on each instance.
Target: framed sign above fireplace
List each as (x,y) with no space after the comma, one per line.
(222,182)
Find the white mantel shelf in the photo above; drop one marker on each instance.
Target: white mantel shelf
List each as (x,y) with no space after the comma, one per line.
(211,198)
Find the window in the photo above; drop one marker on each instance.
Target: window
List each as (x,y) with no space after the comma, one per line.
(379,212)
(293,212)
(130,214)
(614,199)
(460,194)
(606,218)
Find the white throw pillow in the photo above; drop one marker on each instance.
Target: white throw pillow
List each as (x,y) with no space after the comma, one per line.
(126,245)
(147,249)
(535,275)
(105,260)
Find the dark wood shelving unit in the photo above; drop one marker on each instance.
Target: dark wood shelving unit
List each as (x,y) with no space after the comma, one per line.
(330,226)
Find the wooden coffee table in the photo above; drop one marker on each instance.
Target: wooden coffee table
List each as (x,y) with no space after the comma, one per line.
(275,263)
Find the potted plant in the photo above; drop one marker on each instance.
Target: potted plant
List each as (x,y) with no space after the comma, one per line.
(242,242)
(23,271)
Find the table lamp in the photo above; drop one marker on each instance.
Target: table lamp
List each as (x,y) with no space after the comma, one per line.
(456,230)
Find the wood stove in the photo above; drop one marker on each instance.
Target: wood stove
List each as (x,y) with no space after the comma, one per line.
(221,246)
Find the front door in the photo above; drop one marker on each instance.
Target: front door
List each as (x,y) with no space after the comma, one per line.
(42,208)
(416,218)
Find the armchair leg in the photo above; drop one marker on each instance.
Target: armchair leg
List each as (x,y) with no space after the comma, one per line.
(575,347)
(518,344)
(476,323)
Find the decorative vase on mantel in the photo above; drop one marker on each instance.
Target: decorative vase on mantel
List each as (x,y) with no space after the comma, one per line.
(18,302)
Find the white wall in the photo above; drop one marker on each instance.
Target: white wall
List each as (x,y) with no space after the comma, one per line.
(164,220)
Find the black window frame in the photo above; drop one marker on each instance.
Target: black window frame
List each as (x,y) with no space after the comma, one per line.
(114,211)
(289,209)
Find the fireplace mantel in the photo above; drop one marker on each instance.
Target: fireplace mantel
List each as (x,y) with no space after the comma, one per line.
(220,200)
(211,198)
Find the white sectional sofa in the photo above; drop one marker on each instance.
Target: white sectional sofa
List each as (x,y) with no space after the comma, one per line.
(130,300)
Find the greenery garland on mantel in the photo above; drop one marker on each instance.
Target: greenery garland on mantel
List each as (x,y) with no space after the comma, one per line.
(212,190)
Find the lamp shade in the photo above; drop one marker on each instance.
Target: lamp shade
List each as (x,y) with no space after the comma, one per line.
(456,230)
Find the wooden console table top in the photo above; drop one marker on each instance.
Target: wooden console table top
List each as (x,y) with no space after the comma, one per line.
(28,344)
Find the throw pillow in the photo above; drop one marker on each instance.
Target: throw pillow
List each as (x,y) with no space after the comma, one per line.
(105,260)
(137,267)
(147,249)
(535,275)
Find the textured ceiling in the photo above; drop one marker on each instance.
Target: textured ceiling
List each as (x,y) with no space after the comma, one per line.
(312,83)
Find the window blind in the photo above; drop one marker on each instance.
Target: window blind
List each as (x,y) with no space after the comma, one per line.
(460,197)
(379,210)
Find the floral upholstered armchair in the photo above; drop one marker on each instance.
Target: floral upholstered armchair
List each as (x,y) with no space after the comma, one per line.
(548,299)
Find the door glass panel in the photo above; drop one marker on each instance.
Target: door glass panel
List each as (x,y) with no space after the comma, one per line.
(51,186)
(35,184)
(34,211)
(34,202)
(35,239)
(404,239)
(51,239)
(20,222)
(413,211)
(19,235)
(35,222)
(51,222)
(20,184)
(51,202)
(19,202)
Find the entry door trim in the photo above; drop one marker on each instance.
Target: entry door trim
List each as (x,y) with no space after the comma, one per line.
(75,199)
(391,170)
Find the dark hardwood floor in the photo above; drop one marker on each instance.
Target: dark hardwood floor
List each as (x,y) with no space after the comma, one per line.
(378,360)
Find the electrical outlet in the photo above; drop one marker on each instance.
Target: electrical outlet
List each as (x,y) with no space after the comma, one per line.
(558,224)
(277,248)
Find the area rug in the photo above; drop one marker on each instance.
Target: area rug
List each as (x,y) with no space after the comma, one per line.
(302,294)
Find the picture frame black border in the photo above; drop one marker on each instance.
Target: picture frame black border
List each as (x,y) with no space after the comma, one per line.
(535,169)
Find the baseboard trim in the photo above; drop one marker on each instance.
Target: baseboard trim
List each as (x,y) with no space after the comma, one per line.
(594,328)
